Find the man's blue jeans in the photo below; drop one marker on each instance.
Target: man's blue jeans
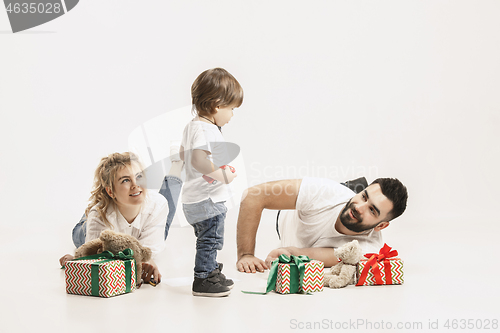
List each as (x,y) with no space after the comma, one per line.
(207,219)
(170,189)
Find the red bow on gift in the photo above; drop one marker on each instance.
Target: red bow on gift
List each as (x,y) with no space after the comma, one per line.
(384,253)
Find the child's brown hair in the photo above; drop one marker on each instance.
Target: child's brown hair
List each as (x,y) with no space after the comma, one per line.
(215,87)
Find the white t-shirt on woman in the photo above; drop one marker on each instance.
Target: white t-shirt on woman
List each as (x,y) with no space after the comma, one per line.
(148,227)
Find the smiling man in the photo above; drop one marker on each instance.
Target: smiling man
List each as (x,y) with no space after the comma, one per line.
(316,216)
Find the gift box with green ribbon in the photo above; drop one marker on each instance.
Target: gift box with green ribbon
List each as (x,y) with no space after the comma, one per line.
(381,268)
(104,274)
(296,274)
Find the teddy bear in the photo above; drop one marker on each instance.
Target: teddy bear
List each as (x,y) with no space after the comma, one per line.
(115,242)
(344,273)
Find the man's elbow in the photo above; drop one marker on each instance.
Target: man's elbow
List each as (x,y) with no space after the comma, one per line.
(253,196)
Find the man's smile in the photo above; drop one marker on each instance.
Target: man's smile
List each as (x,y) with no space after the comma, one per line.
(353,216)
(350,214)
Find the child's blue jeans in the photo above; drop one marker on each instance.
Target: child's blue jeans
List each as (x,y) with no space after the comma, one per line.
(170,189)
(207,219)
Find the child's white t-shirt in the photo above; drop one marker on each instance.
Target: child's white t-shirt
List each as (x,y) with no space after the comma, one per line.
(312,224)
(148,227)
(201,135)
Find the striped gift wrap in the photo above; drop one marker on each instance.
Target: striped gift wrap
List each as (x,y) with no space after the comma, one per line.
(395,266)
(313,277)
(111,278)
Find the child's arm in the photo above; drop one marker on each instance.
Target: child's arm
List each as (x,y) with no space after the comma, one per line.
(203,165)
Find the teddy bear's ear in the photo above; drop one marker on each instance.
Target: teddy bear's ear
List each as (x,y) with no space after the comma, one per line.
(89,248)
(107,235)
(146,253)
(349,250)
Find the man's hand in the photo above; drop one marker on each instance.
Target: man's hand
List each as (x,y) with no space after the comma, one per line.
(65,258)
(274,254)
(150,270)
(251,264)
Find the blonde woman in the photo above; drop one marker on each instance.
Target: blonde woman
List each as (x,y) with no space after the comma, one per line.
(120,201)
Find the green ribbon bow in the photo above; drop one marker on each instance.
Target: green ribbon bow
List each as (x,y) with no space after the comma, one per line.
(127,255)
(297,270)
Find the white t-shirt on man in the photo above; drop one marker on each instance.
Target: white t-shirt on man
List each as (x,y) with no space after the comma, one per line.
(148,227)
(312,223)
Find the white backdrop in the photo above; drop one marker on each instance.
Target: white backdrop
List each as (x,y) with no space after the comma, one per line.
(340,89)
(401,89)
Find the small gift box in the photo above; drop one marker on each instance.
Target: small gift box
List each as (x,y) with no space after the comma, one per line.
(289,280)
(296,274)
(381,268)
(103,274)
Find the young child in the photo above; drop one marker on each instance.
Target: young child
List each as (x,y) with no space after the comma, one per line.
(215,93)
(120,201)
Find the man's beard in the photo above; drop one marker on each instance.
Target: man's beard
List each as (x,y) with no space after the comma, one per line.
(355,225)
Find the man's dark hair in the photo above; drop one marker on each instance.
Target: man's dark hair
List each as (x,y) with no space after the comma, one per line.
(395,191)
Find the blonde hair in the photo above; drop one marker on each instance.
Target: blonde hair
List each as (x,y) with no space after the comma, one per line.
(215,87)
(104,177)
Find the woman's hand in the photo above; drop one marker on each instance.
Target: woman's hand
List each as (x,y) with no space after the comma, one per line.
(274,254)
(65,258)
(150,270)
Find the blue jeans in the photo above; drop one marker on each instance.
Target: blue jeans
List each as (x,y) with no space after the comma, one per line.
(207,219)
(170,189)
(80,232)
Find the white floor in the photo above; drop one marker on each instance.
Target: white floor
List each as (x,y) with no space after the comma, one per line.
(442,281)
(334,89)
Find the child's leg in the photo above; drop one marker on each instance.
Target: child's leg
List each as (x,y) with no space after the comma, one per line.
(207,220)
(80,232)
(171,189)
(209,239)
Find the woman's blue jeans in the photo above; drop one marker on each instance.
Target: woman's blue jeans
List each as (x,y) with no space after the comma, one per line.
(170,189)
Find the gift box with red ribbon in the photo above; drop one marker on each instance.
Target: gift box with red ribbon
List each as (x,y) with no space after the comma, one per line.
(381,268)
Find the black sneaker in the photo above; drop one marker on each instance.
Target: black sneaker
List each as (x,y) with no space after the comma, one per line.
(210,286)
(222,278)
